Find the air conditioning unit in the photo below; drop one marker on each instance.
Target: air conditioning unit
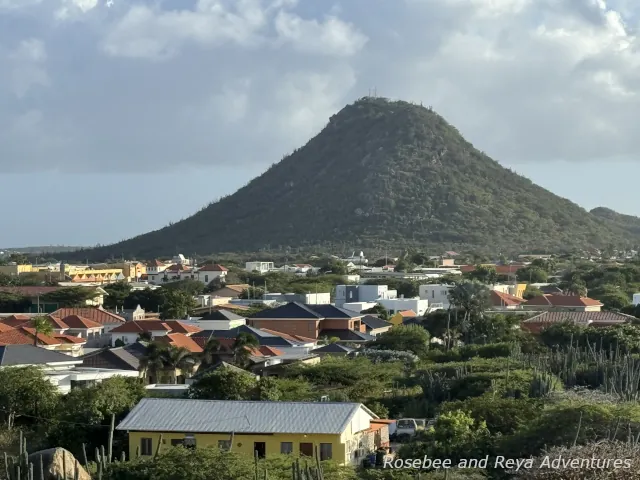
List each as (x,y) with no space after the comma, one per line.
(324,398)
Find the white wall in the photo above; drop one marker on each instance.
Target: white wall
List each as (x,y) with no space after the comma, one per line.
(401,304)
(216,324)
(435,293)
(359,306)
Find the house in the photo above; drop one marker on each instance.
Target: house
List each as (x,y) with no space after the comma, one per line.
(209,273)
(436,293)
(131,270)
(505,301)
(129,332)
(539,322)
(218,320)
(180,340)
(375,326)
(568,303)
(338,431)
(311,321)
(63,371)
(130,314)
(313,298)
(230,291)
(265,337)
(172,273)
(118,358)
(401,317)
(98,314)
(362,293)
(260,267)
(67,344)
(155,267)
(401,304)
(333,350)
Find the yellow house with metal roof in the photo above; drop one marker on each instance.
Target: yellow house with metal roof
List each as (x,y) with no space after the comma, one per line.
(343,432)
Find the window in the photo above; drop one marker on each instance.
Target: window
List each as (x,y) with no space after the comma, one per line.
(433,294)
(306,449)
(206,279)
(224,444)
(325,451)
(176,441)
(260,449)
(146,446)
(286,448)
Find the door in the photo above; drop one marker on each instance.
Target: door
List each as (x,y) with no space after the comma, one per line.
(260,448)
(306,449)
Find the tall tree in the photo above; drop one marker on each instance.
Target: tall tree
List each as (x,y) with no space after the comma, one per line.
(242,346)
(473,299)
(177,358)
(40,325)
(210,351)
(152,362)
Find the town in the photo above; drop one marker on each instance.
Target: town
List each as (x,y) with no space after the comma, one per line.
(330,367)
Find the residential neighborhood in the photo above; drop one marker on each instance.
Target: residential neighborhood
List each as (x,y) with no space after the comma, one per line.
(332,360)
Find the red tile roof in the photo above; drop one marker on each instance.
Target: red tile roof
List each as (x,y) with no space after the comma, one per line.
(270,351)
(15,320)
(177,326)
(140,326)
(563,301)
(213,268)
(76,321)
(408,313)
(155,263)
(501,299)
(69,338)
(584,318)
(178,267)
(180,340)
(97,314)
(24,336)
(5,328)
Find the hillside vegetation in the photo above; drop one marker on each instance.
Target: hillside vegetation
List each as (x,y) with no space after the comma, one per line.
(383,173)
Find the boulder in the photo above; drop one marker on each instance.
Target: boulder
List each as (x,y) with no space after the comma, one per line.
(54,462)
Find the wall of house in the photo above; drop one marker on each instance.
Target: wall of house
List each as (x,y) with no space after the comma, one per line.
(302,327)
(243,443)
(435,293)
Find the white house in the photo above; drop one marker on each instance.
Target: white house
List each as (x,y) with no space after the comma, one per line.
(402,304)
(217,320)
(260,267)
(155,267)
(63,371)
(208,273)
(436,293)
(129,332)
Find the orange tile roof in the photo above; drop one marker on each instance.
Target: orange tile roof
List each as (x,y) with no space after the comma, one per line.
(270,351)
(563,301)
(140,326)
(5,328)
(57,323)
(408,313)
(69,338)
(96,314)
(213,268)
(180,340)
(24,336)
(177,326)
(15,320)
(76,321)
(501,299)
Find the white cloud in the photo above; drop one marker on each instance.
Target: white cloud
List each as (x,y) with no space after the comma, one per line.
(241,82)
(26,68)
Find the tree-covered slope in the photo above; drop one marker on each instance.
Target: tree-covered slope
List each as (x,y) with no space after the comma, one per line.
(381,172)
(627,223)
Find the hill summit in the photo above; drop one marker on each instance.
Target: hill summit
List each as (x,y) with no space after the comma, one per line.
(381,173)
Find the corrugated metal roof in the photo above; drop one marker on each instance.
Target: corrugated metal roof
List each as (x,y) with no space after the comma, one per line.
(222,416)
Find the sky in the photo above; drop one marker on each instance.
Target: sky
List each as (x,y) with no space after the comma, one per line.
(120,116)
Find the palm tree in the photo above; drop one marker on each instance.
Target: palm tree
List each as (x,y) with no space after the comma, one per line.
(210,351)
(152,362)
(473,298)
(242,346)
(177,358)
(41,325)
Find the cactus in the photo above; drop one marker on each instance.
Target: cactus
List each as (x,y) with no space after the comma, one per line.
(542,384)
